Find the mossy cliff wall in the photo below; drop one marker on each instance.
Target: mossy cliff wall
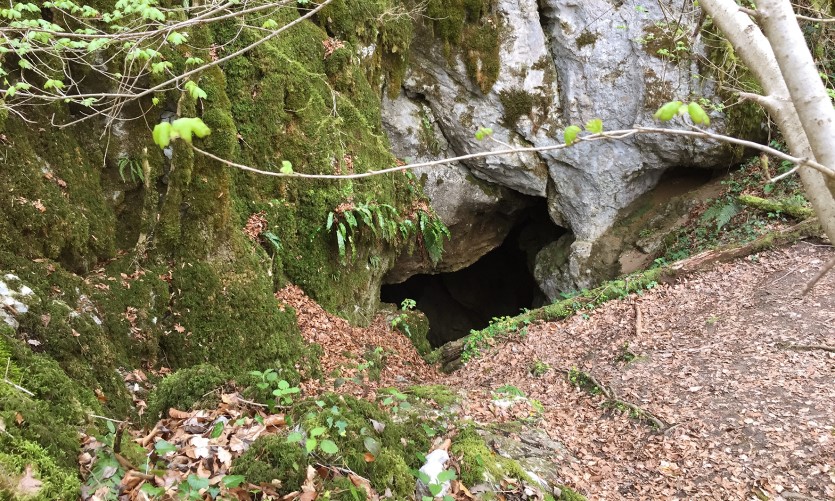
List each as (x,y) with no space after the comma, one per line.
(136,260)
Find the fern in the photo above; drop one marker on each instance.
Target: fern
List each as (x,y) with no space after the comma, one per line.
(721,213)
(387,225)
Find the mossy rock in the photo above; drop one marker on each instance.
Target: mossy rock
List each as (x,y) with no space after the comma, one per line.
(414,325)
(401,444)
(57,482)
(41,429)
(440,394)
(479,463)
(186,389)
(390,471)
(273,458)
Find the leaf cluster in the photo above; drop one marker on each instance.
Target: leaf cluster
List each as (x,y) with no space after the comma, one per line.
(387,225)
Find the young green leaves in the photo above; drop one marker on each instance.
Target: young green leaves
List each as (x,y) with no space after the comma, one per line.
(595,126)
(570,134)
(674,108)
(182,128)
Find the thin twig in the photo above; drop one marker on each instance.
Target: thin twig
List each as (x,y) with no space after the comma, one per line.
(609,135)
(828,266)
(107,419)
(18,387)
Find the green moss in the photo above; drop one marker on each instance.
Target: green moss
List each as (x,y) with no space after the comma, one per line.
(568,494)
(414,325)
(343,488)
(185,389)
(285,107)
(273,458)
(479,463)
(57,482)
(68,324)
(52,204)
(401,443)
(390,471)
(745,119)
(586,38)
(439,394)
(517,103)
(468,28)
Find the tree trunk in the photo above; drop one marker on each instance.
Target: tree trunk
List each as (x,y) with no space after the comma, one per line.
(757,53)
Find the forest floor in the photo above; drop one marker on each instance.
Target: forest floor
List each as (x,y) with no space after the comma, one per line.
(719,386)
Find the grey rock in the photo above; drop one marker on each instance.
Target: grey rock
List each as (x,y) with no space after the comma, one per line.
(573,61)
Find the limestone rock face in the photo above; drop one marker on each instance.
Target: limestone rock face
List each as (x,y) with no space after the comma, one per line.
(478,214)
(561,62)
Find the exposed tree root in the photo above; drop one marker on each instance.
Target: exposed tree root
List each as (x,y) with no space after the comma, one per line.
(807,347)
(590,383)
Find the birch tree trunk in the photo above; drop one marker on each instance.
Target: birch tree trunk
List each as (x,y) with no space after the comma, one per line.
(794,94)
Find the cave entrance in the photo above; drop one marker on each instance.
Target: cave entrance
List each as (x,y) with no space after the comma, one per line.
(500,283)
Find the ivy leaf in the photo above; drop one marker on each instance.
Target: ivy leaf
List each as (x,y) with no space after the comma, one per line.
(310,444)
(570,134)
(160,67)
(295,437)
(162,134)
(319,430)
(269,24)
(164,447)
(286,167)
(232,481)
(197,483)
(153,14)
(595,126)
(372,446)
(668,111)
(697,114)
(329,447)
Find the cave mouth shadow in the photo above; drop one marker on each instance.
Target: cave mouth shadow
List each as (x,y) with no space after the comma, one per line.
(500,283)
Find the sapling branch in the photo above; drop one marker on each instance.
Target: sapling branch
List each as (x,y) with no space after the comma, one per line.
(608,135)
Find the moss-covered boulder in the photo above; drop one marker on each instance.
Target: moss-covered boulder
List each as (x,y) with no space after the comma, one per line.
(41,412)
(185,389)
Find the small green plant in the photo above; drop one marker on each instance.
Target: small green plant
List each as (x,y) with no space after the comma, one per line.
(134,168)
(401,322)
(435,488)
(721,213)
(539,368)
(509,390)
(280,388)
(313,440)
(626,355)
(583,381)
(395,401)
(499,327)
(385,223)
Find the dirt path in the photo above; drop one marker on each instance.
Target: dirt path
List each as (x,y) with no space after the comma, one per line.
(719,356)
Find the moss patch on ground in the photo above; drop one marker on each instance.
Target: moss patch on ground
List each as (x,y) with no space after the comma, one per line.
(41,428)
(480,464)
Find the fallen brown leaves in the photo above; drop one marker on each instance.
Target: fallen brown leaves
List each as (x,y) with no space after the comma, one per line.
(343,346)
(748,417)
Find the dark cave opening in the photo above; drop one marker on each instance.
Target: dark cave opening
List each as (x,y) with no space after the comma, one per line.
(500,283)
